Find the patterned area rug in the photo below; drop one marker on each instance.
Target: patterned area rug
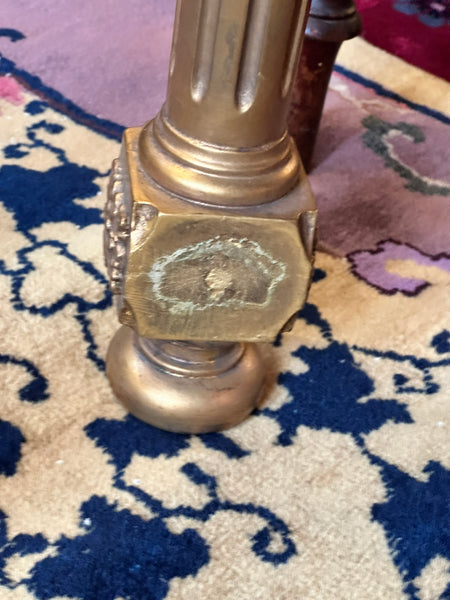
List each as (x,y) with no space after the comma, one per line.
(338,487)
(416,30)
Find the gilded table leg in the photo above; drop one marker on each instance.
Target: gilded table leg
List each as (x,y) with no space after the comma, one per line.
(210,221)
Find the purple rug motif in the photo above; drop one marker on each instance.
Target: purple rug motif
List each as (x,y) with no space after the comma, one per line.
(371,266)
(116,70)
(337,487)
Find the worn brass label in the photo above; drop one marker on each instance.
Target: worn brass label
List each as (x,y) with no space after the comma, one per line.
(221,271)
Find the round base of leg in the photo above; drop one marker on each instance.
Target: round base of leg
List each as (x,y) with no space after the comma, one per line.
(181,402)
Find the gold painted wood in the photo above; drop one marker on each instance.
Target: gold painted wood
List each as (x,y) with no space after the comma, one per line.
(221,136)
(210,221)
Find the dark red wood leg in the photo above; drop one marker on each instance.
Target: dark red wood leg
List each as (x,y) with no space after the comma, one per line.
(330,23)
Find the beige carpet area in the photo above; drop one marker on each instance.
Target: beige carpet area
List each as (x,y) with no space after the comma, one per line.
(338,487)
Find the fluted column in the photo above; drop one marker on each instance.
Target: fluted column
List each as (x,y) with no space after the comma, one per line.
(232,68)
(258,45)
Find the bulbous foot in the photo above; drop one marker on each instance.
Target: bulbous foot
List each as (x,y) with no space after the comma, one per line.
(185,387)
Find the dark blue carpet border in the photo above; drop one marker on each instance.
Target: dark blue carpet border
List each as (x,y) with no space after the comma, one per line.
(114,131)
(382,91)
(59,102)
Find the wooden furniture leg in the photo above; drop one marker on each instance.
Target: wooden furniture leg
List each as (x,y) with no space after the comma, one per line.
(330,23)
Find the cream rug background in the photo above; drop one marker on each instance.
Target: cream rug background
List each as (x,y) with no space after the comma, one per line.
(338,487)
